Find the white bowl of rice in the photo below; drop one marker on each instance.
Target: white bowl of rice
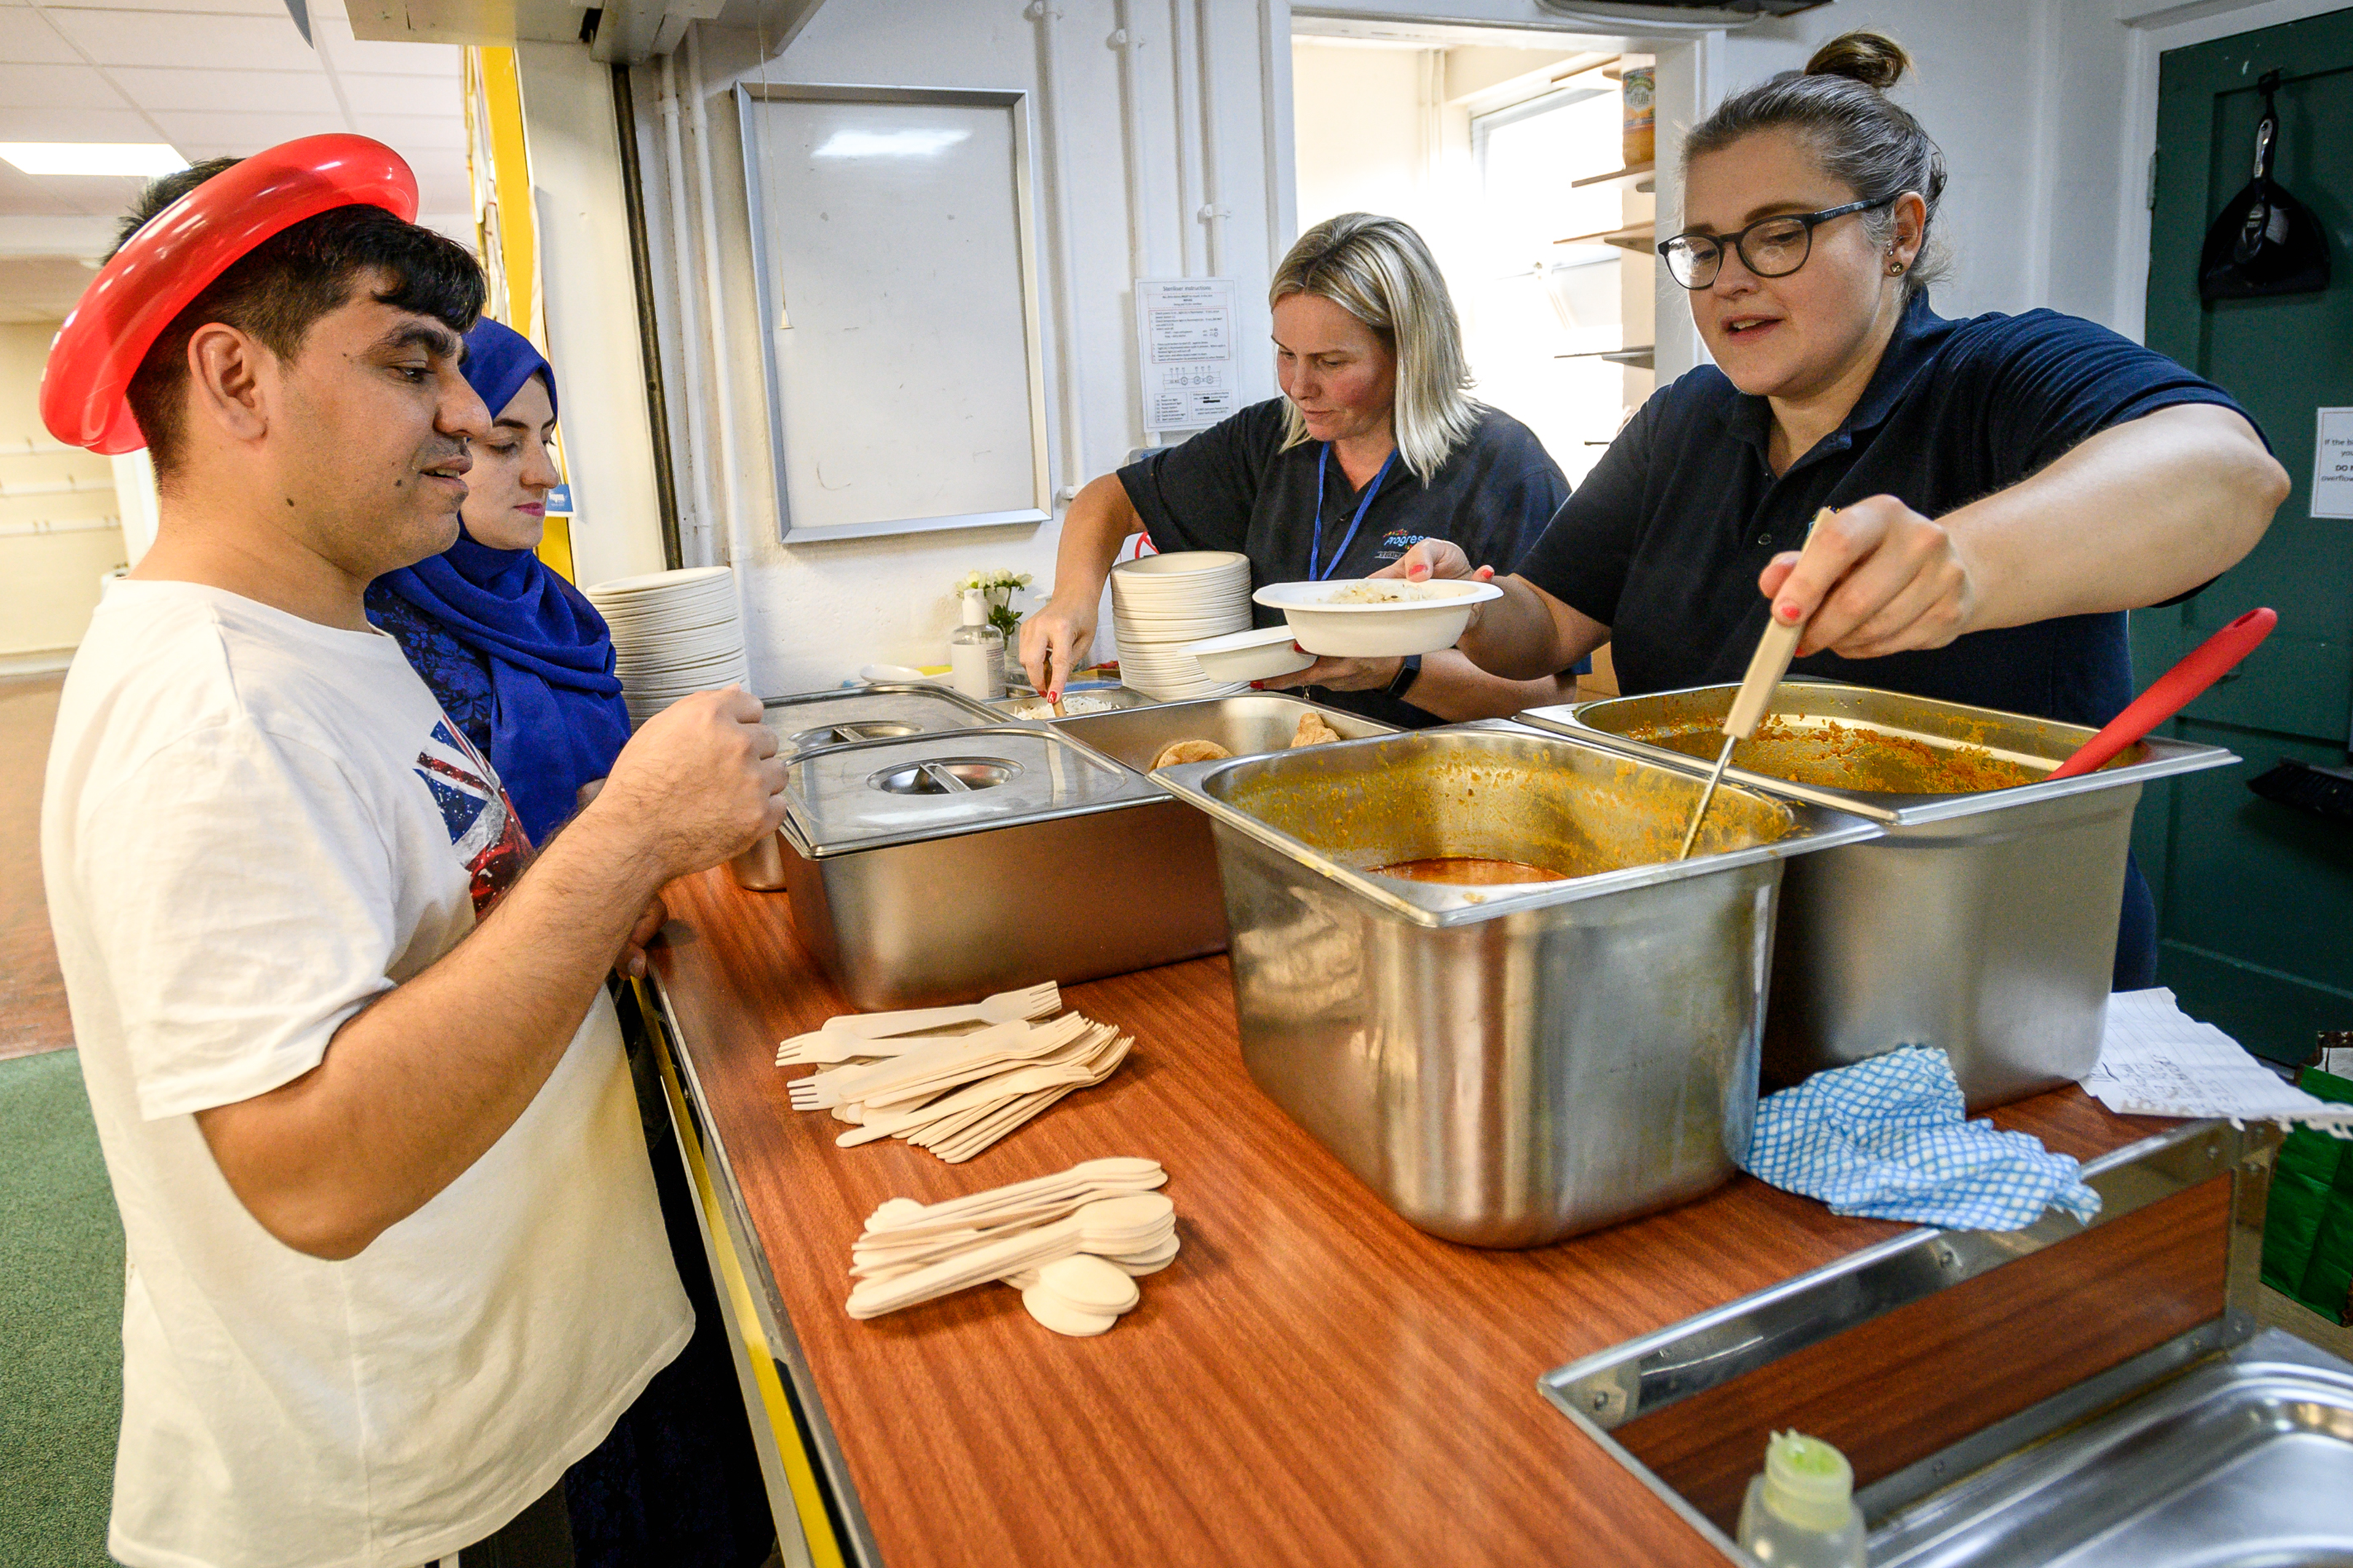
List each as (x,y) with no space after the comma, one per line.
(1376,617)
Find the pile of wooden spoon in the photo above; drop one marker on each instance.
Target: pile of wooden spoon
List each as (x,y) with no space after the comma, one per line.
(1073,1244)
(957,1096)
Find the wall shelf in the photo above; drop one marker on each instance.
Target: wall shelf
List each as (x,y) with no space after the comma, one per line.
(1638,355)
(1637,238)
(1635,174)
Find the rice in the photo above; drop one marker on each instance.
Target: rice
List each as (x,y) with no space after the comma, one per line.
(1076,703)
(1390,592)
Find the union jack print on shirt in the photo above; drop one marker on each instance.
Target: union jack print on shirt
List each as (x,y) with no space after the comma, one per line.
(484,831)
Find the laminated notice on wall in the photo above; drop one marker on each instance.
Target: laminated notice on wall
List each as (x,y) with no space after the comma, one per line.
(1185,347)
(2332,464)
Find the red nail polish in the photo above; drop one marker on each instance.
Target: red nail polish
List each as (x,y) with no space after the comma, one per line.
(1258,686)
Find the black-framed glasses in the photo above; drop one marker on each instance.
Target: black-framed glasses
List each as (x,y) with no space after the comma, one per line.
(1770,248)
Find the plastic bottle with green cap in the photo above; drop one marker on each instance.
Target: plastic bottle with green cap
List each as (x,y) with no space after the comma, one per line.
(1800,1509)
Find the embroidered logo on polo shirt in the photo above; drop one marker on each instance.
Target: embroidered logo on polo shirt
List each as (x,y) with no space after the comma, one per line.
(1396,542)
(489,841)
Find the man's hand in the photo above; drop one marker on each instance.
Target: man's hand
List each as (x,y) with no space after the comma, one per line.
(699,784)
(1875,578)
(632,961)
(1065,629)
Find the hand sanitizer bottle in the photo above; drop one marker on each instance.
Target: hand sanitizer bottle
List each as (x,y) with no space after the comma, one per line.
(1801,1510)
(977,652)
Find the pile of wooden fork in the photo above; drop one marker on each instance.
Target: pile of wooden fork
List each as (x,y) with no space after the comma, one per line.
(953,1095)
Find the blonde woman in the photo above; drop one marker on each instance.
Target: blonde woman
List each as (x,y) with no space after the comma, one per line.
(1373,447)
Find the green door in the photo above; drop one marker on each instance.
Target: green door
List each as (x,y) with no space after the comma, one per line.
(2255,900)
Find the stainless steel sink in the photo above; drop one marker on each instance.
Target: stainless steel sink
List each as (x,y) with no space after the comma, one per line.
(2077,1396)
(2245,1461)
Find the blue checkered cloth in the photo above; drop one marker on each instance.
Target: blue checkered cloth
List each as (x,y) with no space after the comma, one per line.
(1888,1138)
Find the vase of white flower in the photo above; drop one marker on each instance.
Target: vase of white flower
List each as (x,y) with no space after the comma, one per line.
(998,587)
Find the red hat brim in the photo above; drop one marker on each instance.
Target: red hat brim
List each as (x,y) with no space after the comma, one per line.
(180,251)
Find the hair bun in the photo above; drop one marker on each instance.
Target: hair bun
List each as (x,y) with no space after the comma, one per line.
(1872,58)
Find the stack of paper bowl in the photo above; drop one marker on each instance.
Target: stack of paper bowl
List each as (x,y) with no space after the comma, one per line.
(1160,603)
(674,634)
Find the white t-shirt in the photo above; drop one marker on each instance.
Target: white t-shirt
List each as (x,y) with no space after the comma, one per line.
(253,825)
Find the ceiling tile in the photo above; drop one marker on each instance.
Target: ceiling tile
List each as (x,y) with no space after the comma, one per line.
(369,57)
(155,88)
(197,8)
(246,130)
(27,39)
(55,86)
(443,134)
(403,95)
(171,38)
(47,285)
(32,201)
(74,125)
(443,188)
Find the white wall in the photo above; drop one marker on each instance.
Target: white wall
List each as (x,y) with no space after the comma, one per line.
(816,612)
(53,546)
(2040,106)
(591,326)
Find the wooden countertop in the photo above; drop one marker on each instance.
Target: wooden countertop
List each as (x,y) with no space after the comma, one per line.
(1313,1380)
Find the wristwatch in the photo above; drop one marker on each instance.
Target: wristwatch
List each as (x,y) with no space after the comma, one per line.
(1409,671)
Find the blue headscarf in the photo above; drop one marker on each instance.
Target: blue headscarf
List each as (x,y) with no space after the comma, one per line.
(556,715)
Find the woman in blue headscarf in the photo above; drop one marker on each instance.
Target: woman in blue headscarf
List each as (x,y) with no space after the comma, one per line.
(523,664)
(520,660)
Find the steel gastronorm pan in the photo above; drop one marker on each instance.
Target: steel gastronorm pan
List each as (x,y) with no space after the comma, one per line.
(1243,725)
(938,868)
(1504,1066)
(1983,922)
(878,711)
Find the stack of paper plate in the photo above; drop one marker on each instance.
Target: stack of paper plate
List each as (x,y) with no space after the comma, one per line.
(1160,603)
(674,634)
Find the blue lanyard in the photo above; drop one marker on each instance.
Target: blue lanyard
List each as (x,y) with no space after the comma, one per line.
(1315,547)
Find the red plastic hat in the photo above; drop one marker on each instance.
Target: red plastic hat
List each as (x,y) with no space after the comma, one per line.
(180,251)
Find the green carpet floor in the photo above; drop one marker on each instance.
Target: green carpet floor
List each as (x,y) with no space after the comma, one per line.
(60,1319)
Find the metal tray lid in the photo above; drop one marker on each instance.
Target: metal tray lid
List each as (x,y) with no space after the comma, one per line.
(878,712)
(870,794)
(2012,737)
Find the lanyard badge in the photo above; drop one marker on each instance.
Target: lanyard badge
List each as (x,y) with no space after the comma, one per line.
(1319,573)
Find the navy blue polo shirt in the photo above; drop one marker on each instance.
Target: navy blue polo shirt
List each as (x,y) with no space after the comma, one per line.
(1233,487)
(1663,541)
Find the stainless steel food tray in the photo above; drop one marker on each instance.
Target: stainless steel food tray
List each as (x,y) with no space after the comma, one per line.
(874,712)
(1504,1066)
(938,868)
(1983,923)
(1248,725)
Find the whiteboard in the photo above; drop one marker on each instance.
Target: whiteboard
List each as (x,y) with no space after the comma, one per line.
(892,251)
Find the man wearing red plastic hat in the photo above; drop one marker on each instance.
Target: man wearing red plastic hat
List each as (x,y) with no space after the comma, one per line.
(395,1259)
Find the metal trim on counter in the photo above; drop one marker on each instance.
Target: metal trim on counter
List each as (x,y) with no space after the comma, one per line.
(806,1425)
(1602,1393)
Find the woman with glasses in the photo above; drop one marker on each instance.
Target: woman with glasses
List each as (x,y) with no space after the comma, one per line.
(2004,488)
(1375,446)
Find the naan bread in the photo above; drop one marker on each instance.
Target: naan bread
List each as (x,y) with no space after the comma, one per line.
(1177,752)
(1314,731)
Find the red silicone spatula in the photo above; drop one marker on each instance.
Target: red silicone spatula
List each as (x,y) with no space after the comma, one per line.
(2171,692)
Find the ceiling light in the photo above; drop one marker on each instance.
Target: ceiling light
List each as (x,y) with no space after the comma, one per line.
(147,158)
